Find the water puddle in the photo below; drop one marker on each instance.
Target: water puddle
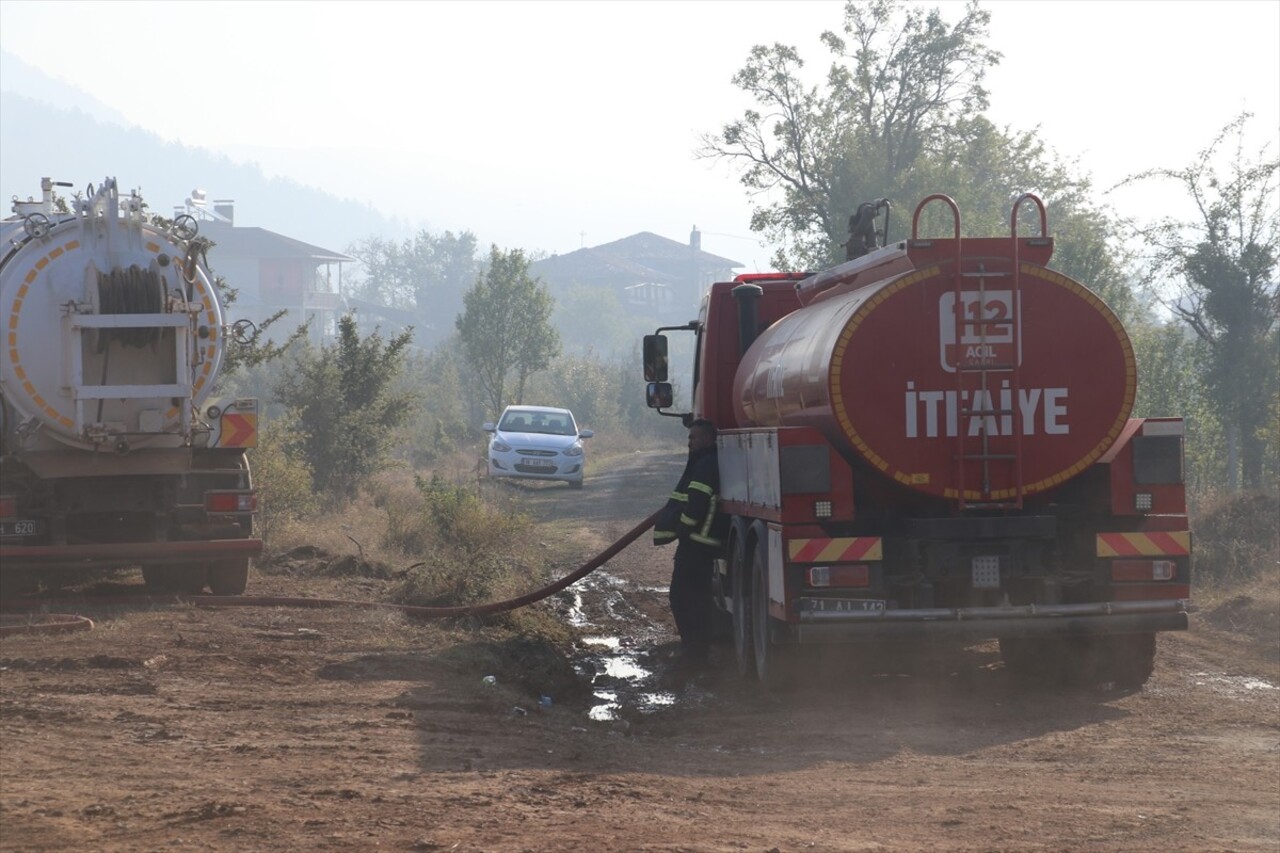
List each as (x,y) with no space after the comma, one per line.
(617,676)
(614,665)
(1233,685)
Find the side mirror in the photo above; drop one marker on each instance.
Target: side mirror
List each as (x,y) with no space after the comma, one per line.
(655,358)
(488,427)
(658,395)
(586,433)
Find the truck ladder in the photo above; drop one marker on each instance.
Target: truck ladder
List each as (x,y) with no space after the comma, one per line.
(1008,330)
(973,381)
(977,387)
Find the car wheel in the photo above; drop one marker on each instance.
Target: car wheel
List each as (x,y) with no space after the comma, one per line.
(576,484)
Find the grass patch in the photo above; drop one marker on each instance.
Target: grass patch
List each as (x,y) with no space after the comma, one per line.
(1237,537)
(436,540)
(1237,567)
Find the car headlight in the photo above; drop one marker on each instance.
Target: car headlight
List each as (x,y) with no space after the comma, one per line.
(575,450)
(499,446)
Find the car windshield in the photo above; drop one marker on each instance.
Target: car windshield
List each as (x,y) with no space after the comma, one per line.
(547,423)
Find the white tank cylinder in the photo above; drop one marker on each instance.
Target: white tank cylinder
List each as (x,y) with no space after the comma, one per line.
(113,326)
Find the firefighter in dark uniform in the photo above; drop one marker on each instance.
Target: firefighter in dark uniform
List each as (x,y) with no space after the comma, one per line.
(690,519)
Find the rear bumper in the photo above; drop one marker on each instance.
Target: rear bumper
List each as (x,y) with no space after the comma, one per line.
(126,553)
(986,623)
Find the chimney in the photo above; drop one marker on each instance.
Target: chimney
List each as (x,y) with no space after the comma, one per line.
(225,208)
(695,239)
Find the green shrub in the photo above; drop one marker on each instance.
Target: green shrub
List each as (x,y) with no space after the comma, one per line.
(347,407)
(468,551)
(281,475)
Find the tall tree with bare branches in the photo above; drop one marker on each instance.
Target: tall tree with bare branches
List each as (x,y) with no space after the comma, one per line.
(1218,271)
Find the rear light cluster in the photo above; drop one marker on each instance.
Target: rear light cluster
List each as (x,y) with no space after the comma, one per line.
(829,576)
(230,502)
(8,506)
(1143,570)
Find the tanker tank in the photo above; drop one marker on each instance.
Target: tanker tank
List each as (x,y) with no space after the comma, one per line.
(112,451)
(1024,368)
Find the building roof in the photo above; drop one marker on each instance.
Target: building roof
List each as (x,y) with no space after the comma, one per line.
(643,257)
(259,243)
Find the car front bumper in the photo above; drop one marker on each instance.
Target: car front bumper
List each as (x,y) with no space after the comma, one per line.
(566,469)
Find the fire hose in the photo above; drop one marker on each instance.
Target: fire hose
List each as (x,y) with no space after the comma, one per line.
(49,623)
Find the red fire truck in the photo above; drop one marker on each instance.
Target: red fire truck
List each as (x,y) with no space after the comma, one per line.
(932,442)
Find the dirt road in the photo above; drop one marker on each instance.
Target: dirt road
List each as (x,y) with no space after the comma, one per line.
(176,727)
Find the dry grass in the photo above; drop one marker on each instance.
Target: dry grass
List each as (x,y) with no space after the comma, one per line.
(1237,537)
(436,539)
(1237,566)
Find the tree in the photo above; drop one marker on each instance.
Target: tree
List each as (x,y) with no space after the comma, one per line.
(505,326)
(345,405)
(1171,381)
(1219,273)
(901,83)
(426,275)
(900,117)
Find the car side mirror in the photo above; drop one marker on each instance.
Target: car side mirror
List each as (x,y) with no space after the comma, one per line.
(586,433)
(488,427)
(655,358)
(658,395)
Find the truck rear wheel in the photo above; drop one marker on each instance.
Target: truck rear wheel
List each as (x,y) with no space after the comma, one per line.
(186,580)
(775,667)
(1029,660)
(229,577)
(1127,660)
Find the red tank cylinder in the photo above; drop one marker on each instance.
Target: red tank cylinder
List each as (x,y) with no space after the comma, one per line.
(1001,387)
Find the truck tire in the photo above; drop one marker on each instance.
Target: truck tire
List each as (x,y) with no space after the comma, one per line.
(743,638)
(775,665)
(1028,660)
(185,580)
(229,577)
(1127,660)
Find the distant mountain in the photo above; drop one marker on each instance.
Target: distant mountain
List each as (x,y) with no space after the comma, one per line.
(20,78)
(50,129)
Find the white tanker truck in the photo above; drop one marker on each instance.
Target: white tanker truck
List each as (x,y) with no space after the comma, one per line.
(112,453)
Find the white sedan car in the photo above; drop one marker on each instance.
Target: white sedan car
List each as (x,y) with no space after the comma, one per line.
(537,443)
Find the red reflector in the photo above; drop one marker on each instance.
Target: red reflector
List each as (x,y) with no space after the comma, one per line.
(1143,570)
(230,502)
(8,506)
(858,575)
(1151,592)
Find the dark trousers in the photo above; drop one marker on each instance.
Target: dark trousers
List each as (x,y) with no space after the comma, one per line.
(691,596)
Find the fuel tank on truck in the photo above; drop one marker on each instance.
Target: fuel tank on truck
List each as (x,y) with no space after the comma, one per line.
(1017,372)
(113,326)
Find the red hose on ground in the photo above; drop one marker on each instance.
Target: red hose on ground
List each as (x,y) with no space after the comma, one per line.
(317,603)
(49,623)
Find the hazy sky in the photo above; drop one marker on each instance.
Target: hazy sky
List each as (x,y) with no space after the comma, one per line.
(547,125)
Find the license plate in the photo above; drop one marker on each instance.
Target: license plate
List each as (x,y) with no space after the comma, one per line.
(843,605)
(20,528)
(538,463)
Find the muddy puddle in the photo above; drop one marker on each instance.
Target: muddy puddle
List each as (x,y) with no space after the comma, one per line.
(1235,686)
(619,666)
